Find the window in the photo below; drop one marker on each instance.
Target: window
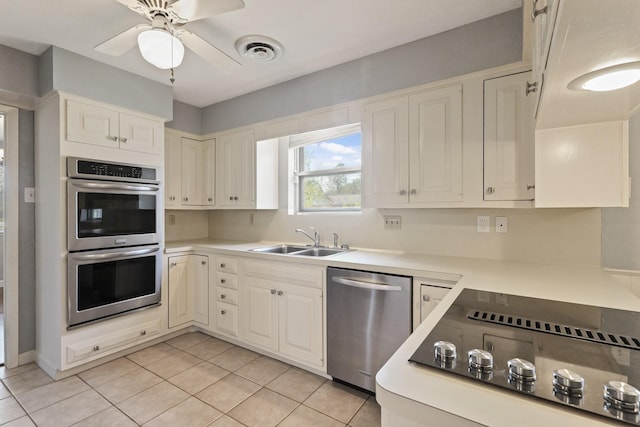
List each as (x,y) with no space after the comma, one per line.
(326,169)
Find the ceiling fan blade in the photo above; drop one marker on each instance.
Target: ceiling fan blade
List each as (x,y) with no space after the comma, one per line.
(209,53)
(121,43)
(192,10)
(136,6)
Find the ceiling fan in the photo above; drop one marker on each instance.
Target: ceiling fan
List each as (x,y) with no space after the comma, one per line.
(161,41)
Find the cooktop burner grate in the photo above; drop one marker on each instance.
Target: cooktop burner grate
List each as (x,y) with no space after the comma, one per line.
(568,331)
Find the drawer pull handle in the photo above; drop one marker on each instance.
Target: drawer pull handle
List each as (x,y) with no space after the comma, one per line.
(223,265)
(96,347)
(222,296)
(490,190)
(530,187)
(223,280)
(143,333)
(223,312)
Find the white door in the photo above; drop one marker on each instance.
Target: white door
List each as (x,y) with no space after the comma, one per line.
(508,139)
(200,268)
(259,314)
(90,124)
(300,327)
(141,134)
(172,170)
(385,149)
(180,293)
(435,145)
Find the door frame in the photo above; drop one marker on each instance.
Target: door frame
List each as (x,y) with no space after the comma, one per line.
(11,235)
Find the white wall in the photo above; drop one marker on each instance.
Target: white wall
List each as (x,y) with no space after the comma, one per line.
(556,236)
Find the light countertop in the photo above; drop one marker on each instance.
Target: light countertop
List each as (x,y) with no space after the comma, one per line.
(406,388)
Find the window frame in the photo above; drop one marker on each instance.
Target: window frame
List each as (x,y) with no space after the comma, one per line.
(296,161)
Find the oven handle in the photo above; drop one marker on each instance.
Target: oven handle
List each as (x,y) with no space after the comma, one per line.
(366,285)
(101,186)
(117,255)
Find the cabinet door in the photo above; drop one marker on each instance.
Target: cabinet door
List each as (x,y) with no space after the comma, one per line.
(235,170)
(191,172)
(172,170)
(208,176)
(90,124)
(141,134)
(435,145)
(385,153)
(508,139)
(200,283)
(180,292)
(259,314)
(300,323)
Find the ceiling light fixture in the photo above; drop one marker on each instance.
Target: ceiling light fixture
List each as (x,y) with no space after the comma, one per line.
(608,78)
(160,48)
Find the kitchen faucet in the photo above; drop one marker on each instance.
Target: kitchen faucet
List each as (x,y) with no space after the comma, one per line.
(315,238)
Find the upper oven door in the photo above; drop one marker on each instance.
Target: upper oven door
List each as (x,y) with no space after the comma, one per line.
(106,214)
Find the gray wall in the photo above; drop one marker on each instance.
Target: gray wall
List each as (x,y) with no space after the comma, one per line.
(484,44)
(186,118)
(27,235)
(621,226)
(66,71)
(18,72)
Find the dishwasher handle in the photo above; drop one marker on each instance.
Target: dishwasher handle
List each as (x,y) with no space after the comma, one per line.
(366,285)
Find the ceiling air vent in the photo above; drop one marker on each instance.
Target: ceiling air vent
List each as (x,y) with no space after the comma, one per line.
(259,48)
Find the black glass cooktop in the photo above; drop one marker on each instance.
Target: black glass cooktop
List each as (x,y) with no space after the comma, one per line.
(568,354)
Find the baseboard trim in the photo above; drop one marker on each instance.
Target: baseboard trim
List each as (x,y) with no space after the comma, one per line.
(26,357)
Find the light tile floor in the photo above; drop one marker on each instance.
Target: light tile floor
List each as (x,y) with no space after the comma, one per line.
(190,380)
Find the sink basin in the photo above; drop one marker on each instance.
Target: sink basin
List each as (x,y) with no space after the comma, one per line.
(281,249)
(319,252)
(299,250)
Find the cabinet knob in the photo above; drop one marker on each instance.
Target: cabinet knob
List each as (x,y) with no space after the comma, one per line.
(143,332)
(413,191)
(280,293)
(403,192)
(490,190)
(273,291)
(230,197)
(173,264)
(222,296)
(185,199)
(223,281)
(210,199)
(223,265)
(223,312)
(426,298)
(535,12)
(203,262)
(235,197)
(531,87)
(123,140)
(96,347)
(530,187)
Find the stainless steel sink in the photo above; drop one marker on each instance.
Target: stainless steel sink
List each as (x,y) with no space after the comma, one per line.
(319,252)
(299,250)
(281,249)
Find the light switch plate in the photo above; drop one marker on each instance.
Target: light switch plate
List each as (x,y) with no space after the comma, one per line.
(484,223)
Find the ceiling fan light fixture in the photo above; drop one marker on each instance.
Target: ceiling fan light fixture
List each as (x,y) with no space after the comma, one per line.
(160,48)
(608,78)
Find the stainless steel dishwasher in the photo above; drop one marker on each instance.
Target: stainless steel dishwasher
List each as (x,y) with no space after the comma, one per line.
(368,318)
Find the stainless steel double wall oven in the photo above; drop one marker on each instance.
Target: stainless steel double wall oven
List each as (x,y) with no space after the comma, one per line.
(114,235)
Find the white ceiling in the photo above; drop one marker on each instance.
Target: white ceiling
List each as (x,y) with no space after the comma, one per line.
(316,34)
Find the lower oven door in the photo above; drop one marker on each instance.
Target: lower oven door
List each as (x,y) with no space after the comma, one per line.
(108,282)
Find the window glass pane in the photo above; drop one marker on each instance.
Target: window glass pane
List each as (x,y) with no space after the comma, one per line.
(340,152)
(339,191)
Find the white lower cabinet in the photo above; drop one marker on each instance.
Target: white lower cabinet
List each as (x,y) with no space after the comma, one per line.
(282,311)
(188,289)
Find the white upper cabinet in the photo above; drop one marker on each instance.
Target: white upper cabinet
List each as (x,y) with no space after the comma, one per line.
(508,139)
(412,149)
(94,124)
(189,172)
(235,170)
(543,17)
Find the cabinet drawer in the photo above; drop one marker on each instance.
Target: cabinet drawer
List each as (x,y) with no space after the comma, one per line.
(227,295)
(229,281)
(227,318)
(111,342)
(304,275)
(229,265)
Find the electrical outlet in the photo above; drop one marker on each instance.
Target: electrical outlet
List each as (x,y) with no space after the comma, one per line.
(501,224)
(393,222)
(484,223)
(29,195)
(172,219)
